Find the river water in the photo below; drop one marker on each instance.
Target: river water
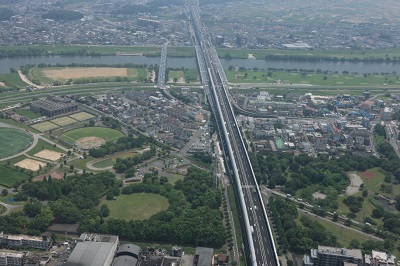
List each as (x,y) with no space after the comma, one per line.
(177,62)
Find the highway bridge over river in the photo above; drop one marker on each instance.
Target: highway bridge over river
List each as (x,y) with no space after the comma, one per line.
(259,244)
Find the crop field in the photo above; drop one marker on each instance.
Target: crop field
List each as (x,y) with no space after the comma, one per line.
(90,137)
(82,116)
(13,141)
(137,206)
(63,121)
(44,126)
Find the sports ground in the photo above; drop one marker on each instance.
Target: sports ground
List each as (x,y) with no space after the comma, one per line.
(90,137)
(13,141)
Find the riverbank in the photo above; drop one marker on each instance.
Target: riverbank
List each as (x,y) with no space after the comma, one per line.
(359,55)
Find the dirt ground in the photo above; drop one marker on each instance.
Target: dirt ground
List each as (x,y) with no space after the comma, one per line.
(355,184)
(49,155)
(319,195)
(30,164)
(89,142)
(368,175)
(76,73)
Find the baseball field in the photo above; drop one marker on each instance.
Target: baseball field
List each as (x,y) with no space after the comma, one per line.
(90,137)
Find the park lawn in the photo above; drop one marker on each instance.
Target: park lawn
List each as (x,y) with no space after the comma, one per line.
(176,74)
(9,196)
(12,80)
(372,184)
(378,139)
(107,134)
(343,234)
(16,124)
(111,161)
(191,75)
(9,175)
(366,210)
(104,163)
(28,113)
(81,163)
(137,73)
(136,206)
(175,177)
(44,145)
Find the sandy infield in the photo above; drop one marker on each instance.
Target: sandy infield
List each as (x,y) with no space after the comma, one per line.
(90,142)
(30,164)
(49,155)
(76,73)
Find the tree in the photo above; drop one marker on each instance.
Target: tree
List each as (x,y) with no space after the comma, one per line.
(104,210)
(377,213)
(355,244)
(4,192)
(32,208)
(348,222)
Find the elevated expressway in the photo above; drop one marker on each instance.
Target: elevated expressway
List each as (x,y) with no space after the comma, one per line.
(259,245)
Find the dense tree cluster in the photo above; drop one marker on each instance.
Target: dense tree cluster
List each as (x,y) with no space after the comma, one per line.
(123,143)
(73,199)
(380,130)
(203,157)
(63,15)
(193,216)
(180,97)
(127,164)
(294,237)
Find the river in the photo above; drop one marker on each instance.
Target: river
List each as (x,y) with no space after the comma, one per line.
(177,62)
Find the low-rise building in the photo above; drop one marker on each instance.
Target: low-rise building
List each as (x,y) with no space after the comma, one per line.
(332,256)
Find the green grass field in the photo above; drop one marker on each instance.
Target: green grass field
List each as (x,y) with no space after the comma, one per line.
(191,75)
(8,176)
(44,145)
(174,178)
(13,141)
(312,79)
(137,206)
(28,113)
(107,134)
(111,161)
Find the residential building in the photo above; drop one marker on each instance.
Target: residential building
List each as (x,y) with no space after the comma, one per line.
(11,257)
(25,241)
